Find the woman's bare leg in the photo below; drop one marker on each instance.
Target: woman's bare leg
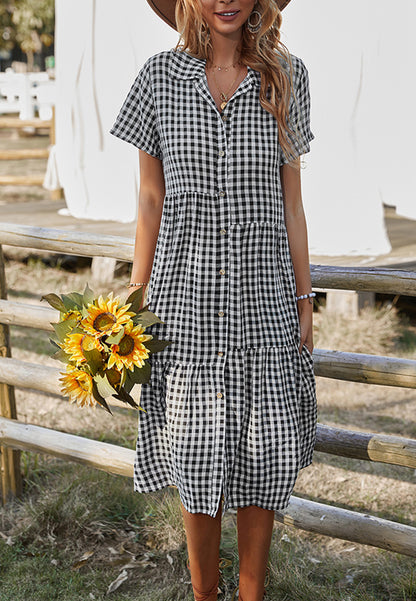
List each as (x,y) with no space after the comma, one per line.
(203,535)
(255,528)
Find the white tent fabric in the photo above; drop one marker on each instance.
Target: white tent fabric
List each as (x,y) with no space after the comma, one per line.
(349,171)
(100,46)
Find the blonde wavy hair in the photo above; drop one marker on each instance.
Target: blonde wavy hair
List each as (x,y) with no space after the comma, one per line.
(262,51)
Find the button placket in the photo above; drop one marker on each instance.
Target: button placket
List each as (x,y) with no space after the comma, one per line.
(222,266)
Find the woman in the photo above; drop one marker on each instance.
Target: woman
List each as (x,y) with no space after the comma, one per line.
(221,244)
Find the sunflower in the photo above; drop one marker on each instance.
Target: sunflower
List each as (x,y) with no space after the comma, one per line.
(130,351)
(77,385)
(106,316)
(75,344)
(72,314)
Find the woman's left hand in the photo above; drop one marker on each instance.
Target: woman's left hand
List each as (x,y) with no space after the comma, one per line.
(305,311)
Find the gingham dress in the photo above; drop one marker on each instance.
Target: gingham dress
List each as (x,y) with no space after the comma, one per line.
(231,405)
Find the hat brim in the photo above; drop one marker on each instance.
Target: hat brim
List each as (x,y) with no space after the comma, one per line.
(165,9)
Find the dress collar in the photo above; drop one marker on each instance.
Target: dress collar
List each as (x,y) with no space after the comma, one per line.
(185,66)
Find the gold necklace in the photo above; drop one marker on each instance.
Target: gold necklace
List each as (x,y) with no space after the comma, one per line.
(226,68)
(225,96)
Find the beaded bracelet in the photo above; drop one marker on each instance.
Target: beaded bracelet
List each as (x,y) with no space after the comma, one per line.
(310,295)
(134,284)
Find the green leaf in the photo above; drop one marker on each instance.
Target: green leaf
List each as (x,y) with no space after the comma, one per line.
(94,360)
(88,296)
(140,375)
(72,301)
(55,301)
(135,298)
(115,338)
(63,328)
(54,343)
(104,387)
(146,318)
(100,400)
(124,396)
(155,345)
(61,356)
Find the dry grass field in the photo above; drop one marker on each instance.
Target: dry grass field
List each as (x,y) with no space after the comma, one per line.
(76,534)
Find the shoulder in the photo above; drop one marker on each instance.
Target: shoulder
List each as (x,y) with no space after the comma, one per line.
(300,71)
(155,65)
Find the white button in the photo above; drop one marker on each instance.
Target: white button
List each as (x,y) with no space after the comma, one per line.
(222,271)
(220,313)
(221,193)
(219,395)
(223,231)
(220,354)
(221,153)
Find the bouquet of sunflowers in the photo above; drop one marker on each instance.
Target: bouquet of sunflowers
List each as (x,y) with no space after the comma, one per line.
(103,343)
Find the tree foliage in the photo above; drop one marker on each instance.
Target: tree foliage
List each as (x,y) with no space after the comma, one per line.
(27,23)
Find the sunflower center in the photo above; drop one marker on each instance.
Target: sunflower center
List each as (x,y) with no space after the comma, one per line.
(87,343)
(125,346)
(103,322)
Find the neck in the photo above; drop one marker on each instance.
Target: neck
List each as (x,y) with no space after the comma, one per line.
(226,49)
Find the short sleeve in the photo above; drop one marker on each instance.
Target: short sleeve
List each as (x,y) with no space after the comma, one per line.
(136,122)
(299,111)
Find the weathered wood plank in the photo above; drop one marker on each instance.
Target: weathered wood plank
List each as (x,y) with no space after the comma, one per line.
(24,153)
(21,180)
(349,525)
(366,445)
(31,316)
(370,369)
(373,279)
(63,241)
(100,455)
(15,122)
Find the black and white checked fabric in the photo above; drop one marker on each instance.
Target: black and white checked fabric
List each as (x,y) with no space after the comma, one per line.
(231,406)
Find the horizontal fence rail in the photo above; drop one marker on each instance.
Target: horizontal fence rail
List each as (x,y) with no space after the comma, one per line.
(347,443)
(388,281)
(301,513)
(15,122)
(381,448)
(71,243)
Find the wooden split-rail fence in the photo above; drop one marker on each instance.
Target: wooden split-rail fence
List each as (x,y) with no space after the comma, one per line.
(302,513)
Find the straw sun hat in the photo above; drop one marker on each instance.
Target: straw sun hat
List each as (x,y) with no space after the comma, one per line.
(166,9)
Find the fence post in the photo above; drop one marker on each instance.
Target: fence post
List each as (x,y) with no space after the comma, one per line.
(11,478)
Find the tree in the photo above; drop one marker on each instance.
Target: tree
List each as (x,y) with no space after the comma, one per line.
(31,23)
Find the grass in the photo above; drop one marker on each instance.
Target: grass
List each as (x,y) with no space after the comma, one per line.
(76,529)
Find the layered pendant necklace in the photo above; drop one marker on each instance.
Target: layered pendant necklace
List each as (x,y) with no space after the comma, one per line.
(225,96)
